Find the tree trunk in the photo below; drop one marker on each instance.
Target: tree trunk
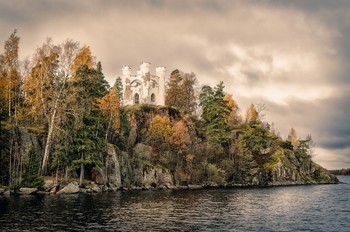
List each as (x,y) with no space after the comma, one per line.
(109,125)
(81,169)
(48,142)
(9,96)
(10,166)
(81,174)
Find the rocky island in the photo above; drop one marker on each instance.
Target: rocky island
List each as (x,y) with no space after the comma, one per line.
(64,129)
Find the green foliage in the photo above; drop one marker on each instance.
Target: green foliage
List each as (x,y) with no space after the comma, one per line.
(60,97)
(180,91)
(213,173)
(119,85)
(286,145)
(31,179)
(215,112)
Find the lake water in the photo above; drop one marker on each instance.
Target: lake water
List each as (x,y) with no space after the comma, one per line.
(297,208)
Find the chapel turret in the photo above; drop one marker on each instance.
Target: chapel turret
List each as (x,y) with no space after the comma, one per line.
(144,88)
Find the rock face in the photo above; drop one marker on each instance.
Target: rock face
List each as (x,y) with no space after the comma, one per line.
(113,167)
(71,188)
(28,141)
(27,191)
(293,170)
(156,177)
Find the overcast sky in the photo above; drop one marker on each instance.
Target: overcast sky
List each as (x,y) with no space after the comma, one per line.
(291,56)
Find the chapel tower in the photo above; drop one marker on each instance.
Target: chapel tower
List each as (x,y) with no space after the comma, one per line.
(144,88)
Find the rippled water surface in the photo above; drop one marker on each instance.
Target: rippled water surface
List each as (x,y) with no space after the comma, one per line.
(299,208)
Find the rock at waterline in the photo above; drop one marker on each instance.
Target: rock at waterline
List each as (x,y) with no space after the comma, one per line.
(27,191)
(70,188)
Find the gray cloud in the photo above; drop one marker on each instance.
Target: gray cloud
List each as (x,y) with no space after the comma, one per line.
(290,55)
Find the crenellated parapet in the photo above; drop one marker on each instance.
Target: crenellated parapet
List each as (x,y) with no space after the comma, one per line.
(144,87)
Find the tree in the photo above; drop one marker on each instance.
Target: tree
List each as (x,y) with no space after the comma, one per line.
(215,112)
(87,86)
(180,142)
(119,86)
(244,165)
(234,118)
(180,91)
(293,138)
(189,81)
(52,70)
(159,133)
(252,115)
(110,107)
(10,79)
(174,93)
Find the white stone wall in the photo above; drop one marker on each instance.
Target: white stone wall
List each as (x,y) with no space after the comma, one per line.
(144,84)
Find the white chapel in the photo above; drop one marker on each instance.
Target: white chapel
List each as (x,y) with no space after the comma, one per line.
(144,88)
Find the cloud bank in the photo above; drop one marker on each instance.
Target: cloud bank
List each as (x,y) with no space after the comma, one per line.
(289,55)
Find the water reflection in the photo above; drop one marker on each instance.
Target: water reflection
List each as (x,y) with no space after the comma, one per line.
(319,208)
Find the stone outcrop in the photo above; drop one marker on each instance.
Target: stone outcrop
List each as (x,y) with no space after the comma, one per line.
(295,170)
(27,191)
(156,177)
(113,167)
(71,188)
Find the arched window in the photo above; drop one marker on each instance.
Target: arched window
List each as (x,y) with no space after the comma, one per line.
(136,99)
(153,97)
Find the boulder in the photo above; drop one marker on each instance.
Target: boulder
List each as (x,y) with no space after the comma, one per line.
(71,188)
(27,191)
(170,186)
(92,187)
(2,190)
(54,189)
(48,185)
(9,192)
(195,186)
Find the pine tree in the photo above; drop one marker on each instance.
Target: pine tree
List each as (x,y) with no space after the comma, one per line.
(119,86)
(174,91)
(215,112)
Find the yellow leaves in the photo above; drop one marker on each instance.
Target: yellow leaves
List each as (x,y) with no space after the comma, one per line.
(234,116)
(84,57)
(252,115)
(293,138)
(180,139)
(160,130)
(110,107)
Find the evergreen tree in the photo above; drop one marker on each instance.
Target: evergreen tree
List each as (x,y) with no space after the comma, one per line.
(215,112)
(119,86)
(189,82)
(174,92)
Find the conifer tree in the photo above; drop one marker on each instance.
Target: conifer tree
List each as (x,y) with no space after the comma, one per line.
(174,93)
(215,112)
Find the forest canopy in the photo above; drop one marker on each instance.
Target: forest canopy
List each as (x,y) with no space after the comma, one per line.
(62,98)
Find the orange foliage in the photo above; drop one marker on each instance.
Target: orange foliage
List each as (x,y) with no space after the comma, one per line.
(109,105)
(160,131)
(84,57)
(180,139)
(233,117)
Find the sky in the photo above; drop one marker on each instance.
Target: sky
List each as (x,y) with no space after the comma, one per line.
(291,56)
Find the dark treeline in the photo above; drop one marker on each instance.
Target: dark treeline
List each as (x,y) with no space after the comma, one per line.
(343,171)
(62,98)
